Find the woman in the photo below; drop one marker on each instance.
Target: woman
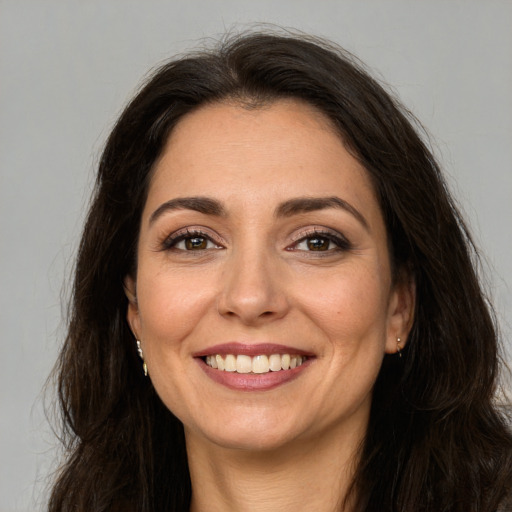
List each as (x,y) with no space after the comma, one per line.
(275,303)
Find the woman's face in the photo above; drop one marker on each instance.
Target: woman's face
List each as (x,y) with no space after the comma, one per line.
(262,246)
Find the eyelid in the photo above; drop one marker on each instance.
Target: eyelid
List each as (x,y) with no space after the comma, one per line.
(170,241)
(335,236)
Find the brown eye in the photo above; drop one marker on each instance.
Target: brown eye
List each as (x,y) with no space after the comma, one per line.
(195,243)
(190,241)
(318,244)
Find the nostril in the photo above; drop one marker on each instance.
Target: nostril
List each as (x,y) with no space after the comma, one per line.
(252,304)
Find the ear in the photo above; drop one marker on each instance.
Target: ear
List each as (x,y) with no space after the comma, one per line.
(132,315)
(400,313)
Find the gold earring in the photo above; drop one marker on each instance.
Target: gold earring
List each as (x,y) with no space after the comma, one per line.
(141,355)
(398,347)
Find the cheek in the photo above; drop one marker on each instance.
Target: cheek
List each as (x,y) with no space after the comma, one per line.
(348,306)
(351,311)
(170,307)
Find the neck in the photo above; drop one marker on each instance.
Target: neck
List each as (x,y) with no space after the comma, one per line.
(313,475)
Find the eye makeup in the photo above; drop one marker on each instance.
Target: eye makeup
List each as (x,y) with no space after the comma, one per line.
(320,240)
(190,239)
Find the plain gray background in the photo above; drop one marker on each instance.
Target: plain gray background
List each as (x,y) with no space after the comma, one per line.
(67,68)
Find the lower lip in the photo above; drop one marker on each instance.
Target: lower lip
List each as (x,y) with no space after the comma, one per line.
(253,381)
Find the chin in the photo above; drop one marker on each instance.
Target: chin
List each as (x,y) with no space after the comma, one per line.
(251,442)
(256,436)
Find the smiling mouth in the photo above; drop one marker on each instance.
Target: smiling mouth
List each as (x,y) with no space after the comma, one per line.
(258,364)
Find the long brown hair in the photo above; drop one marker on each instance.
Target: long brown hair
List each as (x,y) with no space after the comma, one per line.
(436,440)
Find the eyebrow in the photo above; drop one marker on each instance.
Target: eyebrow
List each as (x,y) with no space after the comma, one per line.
(204,205)
(295,206)
(300,205)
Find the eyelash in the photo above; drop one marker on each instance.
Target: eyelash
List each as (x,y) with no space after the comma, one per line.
(340,242)
(173,240)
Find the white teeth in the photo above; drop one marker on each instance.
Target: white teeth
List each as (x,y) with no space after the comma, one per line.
(220,362)
(230,363)
(242,363)
(260,364)
(211,361)
(274,362)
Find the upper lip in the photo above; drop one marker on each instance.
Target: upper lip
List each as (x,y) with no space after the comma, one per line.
(251,350)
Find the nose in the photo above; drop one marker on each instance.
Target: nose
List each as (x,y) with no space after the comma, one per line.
(252,290)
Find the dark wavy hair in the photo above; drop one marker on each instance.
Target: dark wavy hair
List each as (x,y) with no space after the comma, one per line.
(437,440)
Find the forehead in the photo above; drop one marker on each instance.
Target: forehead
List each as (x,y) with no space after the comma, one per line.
(281,150)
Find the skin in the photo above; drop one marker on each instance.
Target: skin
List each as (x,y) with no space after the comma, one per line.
(257,281)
